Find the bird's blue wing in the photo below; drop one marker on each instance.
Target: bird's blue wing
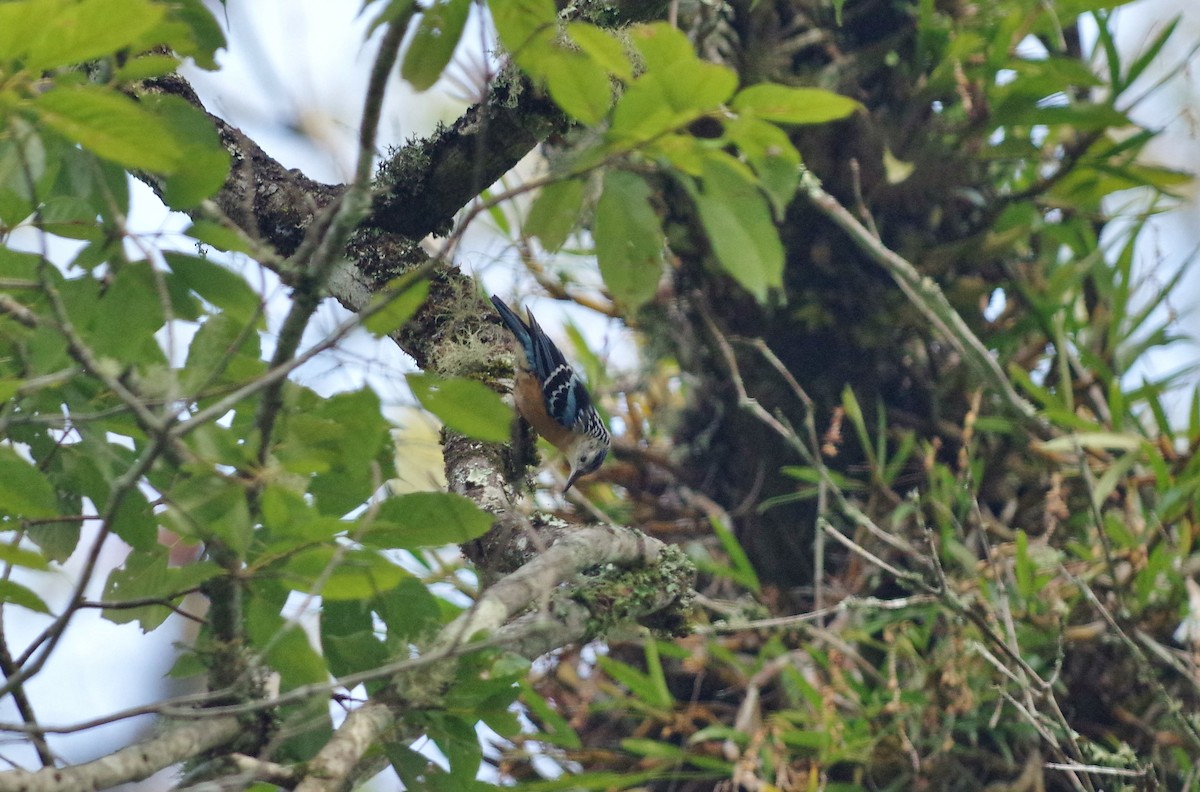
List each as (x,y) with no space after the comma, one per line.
(563,392)
(566,398)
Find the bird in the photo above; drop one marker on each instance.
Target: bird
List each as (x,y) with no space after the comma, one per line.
(552,398)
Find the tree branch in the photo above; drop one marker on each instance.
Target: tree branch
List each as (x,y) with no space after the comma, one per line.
(134,763)
(923,293)
(331,768)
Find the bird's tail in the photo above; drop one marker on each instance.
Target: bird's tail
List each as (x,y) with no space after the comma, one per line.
(512,321)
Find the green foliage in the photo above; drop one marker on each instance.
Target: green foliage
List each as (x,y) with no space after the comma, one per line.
(646,129)
(555,212)
(433,45)
(395,305)
(162,135)
(629,242)
(215,485)
(463,405)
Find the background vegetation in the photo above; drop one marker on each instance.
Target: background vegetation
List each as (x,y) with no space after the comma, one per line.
(884,511)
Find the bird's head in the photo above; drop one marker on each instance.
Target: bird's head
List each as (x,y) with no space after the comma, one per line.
(585,457)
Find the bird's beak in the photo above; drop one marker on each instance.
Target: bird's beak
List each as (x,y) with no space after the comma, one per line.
(571,479)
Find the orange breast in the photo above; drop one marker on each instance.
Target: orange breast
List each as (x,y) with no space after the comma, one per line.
(532,406)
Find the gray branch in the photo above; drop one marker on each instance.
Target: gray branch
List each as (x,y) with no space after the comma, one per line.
(181,741)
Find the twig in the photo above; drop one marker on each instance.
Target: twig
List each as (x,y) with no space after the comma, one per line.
(24,707)
(812,456)
(323,248)
(143,602)
(923,293)
(848,604)
(1145,667)
(900,574)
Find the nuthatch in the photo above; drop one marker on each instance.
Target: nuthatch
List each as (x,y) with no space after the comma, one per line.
(552,398)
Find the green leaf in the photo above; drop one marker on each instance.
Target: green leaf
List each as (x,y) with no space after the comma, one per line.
(205,508)
(410,611)
(112,125)
(341,574)
(699,87)
(288,516)
(127,316)
(653,749)
(218,236)
(134,522)
(291,654)
(426,519)
(460,744)
(205,35)
(642,686)
(338,440)
(146,575)
(770,152)
(1018,110)
(555,213)
(523,26)
(389,12)
(666,100)
(21,266)
(786,105)
(54,34)
(654,669)
(1112,477)
(348,638)
(57,540)
(1023,566)
(463,405)
(23,159)
(414,769)
(351,654)
(629,239)
(9,387)
(15,594)
(737,220)
(433,44)
(643,113)
(683,151)
(24,490)
(216,284)
(741,570)
(70,216)
(398,307)
(18,556)
(806,738)
(602,47)
(1147,56)
(285,645)
(224,350)
(203,164)
(1101,441)
(555,729)
(661,45)
(146,66)
(578,84)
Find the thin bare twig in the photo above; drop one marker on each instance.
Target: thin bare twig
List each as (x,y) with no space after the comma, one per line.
(925,295)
